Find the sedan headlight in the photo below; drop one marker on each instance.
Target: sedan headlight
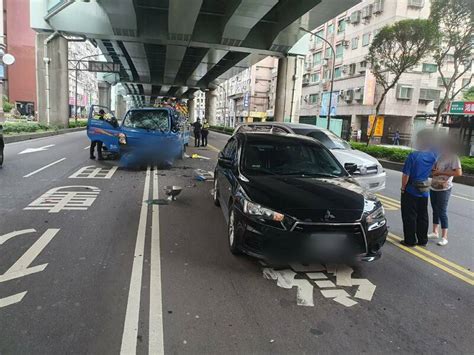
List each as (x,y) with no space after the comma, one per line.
(254,209)
(376,219)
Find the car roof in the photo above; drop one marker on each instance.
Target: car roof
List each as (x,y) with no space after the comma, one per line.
(270,137)
(304,126)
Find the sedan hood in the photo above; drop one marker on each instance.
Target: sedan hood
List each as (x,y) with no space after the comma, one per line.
(308,199)
(354,156)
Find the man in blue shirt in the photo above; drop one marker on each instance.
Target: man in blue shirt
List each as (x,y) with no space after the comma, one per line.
(414,203)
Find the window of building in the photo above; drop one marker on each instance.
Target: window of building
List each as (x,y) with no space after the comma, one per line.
(355,42)
(365,39)
(317,40)
(317,58)
(315,77)
(465,83)
(352,68)
(404,92)
(328,53)
(327,74)
(341,25)
(337,72)
(429,68)
(314,99)
(339,50)
(330,29)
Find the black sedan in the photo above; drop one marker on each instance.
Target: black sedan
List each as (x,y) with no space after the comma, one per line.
(286,198)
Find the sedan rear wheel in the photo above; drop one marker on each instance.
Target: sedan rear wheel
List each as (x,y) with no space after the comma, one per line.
(233,240)
(215,193)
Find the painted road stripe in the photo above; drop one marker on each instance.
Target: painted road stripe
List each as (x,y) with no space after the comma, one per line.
(388,198)
(463,198)
(130,329)
(44,167)
(8,301)
(88,147)
(440,258)
(213,148)
(413,251)
(155,339)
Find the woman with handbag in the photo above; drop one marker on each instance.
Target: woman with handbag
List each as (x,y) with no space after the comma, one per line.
(446,168)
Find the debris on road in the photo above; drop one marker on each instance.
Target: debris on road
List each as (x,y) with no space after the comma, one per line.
(197,156)
(203,175)
(159,201)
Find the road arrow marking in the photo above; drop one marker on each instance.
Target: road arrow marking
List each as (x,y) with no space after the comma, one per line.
(8,301)
(34,150)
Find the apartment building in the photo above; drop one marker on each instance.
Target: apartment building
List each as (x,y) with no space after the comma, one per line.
(405,107)
(246,97)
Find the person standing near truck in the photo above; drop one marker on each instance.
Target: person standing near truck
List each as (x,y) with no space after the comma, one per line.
(197,132)
(204,133)
(98,144)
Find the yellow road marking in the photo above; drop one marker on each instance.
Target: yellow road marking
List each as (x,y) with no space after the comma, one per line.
(415,251)
(389,203)
(387,198)
(440,258)
(213,148)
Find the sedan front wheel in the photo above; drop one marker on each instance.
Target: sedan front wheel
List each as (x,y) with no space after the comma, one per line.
(233,239)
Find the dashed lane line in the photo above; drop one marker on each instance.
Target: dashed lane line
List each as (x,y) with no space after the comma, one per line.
(44,167)
(463,198)
(435,260)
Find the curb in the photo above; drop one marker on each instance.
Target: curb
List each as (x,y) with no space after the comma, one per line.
(28,136)
(464,180)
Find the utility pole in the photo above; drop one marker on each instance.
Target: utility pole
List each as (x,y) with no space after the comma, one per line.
(332,69)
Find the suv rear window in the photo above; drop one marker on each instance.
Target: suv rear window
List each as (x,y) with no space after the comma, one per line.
(328,139)
(261,128)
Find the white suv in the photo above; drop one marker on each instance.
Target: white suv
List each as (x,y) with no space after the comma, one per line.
(370,174)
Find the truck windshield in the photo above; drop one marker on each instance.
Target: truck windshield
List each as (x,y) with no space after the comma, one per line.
(147,119)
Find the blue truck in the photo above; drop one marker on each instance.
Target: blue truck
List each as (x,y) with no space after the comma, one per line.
(145,135)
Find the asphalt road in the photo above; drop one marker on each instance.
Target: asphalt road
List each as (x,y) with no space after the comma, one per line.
(94,269)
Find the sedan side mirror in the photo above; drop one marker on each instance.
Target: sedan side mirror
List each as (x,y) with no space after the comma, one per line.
(351,168)
(225,163)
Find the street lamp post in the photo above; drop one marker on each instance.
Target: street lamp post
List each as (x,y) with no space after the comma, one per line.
(332,69)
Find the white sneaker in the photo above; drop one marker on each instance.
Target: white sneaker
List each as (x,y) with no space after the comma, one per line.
(433,236)
(443,242)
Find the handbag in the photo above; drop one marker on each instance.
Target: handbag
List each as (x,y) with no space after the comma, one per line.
(422,186)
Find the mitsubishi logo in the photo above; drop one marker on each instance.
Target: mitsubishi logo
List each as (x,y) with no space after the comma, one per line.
(328,216)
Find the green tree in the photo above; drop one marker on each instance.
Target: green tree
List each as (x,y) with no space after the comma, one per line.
(396,49)
(469,94)
(453,50)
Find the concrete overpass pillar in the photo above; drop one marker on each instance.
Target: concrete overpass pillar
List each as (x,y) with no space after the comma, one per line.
(288,89)
(105,94)
(52,81)
(120,107)
(211,106)
(191,109)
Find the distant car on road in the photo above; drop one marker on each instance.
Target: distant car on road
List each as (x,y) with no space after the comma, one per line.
(287,198)
(370,174)
(2,145)
(145,135)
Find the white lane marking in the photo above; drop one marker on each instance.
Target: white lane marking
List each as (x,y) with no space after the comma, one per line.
(155,338)
(44,167)
(339,296)
(130,329)
(93,172)
(57,199)
(34,150)
(343,275)
(324,284)
(463,198)
(6,237)
(286,279)
(8,301)
(88,147)
(30,255)
(366,289)
(17,274)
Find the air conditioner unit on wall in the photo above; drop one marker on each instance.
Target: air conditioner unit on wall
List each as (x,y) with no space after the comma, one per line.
(366,12)
(355,17)
(349,95)
(358,94)
(346,43)
(416,3)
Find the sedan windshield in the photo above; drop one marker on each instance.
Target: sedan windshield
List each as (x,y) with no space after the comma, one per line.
(289,158)
(327,138)
(147,119)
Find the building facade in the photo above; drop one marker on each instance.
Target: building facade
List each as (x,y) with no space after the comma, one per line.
(87,83)
(405,107)
(20,81)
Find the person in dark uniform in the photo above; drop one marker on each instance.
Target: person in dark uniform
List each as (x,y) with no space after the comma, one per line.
(98,144)
(204,133)
(197,132)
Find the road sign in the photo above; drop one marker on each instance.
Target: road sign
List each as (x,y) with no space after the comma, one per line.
(325,103)
(462,107)
(78,198)
(103,67)
(378,126)
(34,150)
